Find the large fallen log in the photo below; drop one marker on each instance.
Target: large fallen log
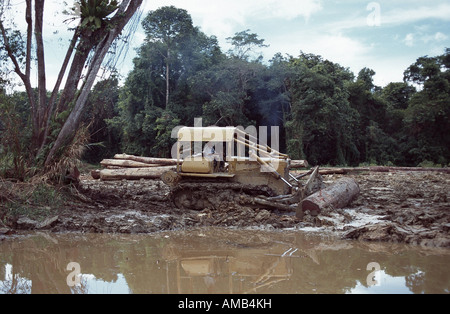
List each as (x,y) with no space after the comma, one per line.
(133,173)
(406,169)
(147,160)
(326,171)
(338,195)
(126,164)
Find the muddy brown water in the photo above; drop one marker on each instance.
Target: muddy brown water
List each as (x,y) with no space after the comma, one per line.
(216,261)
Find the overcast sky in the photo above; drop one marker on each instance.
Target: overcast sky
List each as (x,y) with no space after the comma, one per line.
(386,36)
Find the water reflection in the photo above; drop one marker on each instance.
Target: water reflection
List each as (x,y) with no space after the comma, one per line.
(217,261)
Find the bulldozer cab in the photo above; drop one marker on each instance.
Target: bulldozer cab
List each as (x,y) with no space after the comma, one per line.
(202,150)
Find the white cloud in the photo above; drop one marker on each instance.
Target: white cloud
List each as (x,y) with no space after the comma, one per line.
(284,9)
(409,40)
(225,18)
(394,16)
(440,36)
(337,48)
(402,16)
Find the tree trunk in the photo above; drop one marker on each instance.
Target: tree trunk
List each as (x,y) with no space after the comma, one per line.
(127,164)
(272,205)
(133,174)
(327,171)
(337,195)
(42,86)
(299,164)
(148,160)
(167,78)
(51,103)
(73,78)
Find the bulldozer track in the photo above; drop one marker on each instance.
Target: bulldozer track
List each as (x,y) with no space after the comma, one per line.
(204,194)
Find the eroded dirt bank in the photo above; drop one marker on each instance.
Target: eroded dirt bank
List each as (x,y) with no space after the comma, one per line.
(406,207)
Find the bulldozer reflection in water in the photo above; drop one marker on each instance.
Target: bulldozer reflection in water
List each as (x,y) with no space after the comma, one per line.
(249,173)
(227,271)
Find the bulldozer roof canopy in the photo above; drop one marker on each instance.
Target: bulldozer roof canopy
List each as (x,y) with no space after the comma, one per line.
(207,134)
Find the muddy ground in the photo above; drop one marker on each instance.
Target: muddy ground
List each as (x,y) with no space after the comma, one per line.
(403,207)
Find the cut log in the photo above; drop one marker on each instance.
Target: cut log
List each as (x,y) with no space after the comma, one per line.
(325,171)
(274,205)
(406,169)
(95,174)
(126,164)
(332,171)
(299,164)
(133,173)
(337,195)
(148,160)
(266,203)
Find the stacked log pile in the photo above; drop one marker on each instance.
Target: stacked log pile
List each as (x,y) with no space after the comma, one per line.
(128,167)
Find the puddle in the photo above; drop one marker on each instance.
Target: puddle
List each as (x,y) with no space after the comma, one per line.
(216,261)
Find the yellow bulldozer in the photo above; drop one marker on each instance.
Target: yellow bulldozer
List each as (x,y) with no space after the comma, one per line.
(217,166)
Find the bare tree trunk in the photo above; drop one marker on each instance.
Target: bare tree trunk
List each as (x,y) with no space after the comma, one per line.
(133,173)
(26,78)
(147,160)
(74,76)
(51,103)
(42,86)
(29,19)
(126,164)
(167,78)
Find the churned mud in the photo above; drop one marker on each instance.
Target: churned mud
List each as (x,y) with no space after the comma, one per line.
(401,207)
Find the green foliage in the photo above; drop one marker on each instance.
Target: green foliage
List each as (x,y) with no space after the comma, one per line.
(101,108)
(94,13)
(372,109)
(164,126)
(244,44)
(427,116)
(318,127)
(168,25)
(227,89)
(14,136)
